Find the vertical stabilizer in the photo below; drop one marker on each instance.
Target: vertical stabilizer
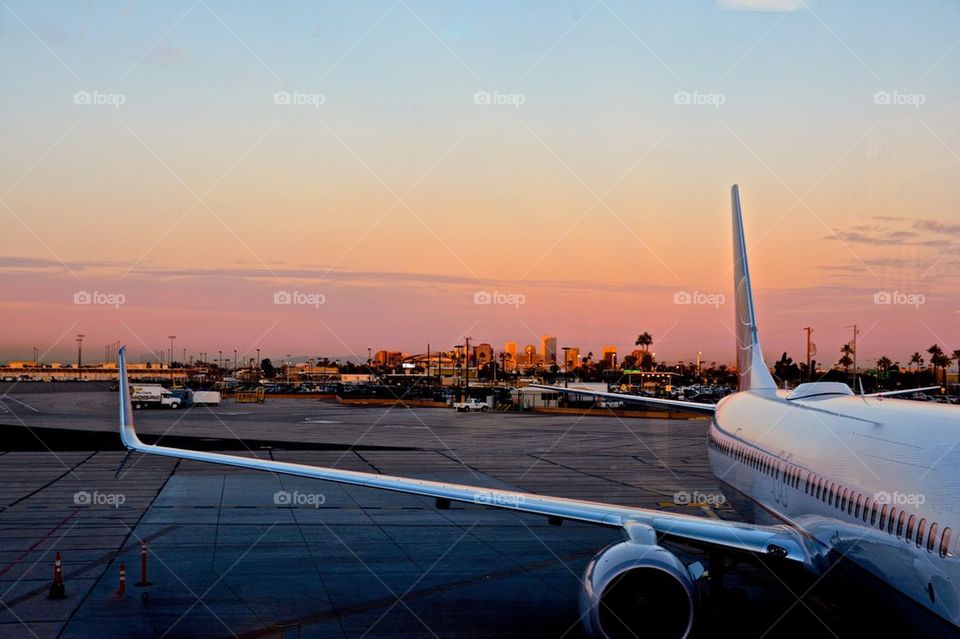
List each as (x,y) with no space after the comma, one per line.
(750,365)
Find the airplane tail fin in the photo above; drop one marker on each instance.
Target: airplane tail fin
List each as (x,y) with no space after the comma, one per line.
(750,365)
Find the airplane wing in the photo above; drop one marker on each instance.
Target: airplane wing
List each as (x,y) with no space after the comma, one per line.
(905,391)
(781,542)
(677,404)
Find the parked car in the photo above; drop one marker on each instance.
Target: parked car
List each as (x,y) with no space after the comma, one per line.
(469,405)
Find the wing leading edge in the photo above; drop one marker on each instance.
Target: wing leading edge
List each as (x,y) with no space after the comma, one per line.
(778,541)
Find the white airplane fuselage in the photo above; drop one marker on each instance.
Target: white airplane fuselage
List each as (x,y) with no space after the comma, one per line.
(873,480)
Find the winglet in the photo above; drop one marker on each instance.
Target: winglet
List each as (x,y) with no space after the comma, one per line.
(750,365)
(127,433)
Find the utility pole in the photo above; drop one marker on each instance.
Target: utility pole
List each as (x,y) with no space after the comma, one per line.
(466,367)
(853,345)
(234,359)
(428,361)
(809,331)
(80,355)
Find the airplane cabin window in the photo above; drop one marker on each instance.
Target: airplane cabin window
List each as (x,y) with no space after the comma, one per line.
(856,511)
(921,529)
(903,515)
(932,537)
(910,526)
(883,516)
(945,543)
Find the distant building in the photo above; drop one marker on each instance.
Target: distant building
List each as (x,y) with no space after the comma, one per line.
(510,348)
(609,356)
(573,358)
(483,354)
(529,356)
(548,350)
(390,359)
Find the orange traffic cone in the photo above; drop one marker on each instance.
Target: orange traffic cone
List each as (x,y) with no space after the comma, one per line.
(57,591)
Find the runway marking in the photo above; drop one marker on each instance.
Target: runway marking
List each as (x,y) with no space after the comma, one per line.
(19,402)
(317,420)
(38,542)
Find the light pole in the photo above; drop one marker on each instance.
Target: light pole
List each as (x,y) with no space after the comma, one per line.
(80,355)
(287,366)
(699,374)
(234,359)
(466,367)
(566,362)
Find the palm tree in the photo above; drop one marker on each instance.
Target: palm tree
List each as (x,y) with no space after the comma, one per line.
(644,340)
(917,359)
(936,359)
(884,363)
(846,361)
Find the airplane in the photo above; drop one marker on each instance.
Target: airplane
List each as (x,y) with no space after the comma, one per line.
(827,478)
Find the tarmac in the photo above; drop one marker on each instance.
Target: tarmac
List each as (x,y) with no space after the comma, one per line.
(248,554)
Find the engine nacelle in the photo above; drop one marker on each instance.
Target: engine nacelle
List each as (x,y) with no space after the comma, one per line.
(635,590)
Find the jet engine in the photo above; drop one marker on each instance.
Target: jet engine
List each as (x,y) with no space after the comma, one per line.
(634,590)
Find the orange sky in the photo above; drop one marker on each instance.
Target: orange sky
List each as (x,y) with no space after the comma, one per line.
(403,194)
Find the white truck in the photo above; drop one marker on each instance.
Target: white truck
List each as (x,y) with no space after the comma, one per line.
(206,398)
(470,404)
(153,396)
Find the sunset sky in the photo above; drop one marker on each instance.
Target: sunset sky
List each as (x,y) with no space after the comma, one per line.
(198,160)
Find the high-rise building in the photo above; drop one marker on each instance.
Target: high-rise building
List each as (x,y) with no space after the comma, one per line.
(529,356)
(548,350)
(573,358)
(483,354)
(510,362)
(609,355)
